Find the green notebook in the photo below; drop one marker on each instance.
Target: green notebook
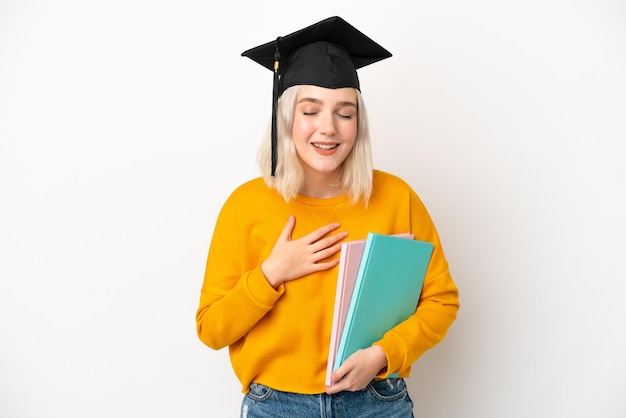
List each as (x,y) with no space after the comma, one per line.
(386,292)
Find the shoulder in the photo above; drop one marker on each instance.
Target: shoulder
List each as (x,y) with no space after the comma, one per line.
(251,192)
(391,189)
(245,199)
(250,186)
(387,181)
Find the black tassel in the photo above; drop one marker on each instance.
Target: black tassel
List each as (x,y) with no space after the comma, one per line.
(274,108)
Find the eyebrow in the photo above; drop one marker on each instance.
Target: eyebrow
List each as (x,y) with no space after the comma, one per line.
(317,101)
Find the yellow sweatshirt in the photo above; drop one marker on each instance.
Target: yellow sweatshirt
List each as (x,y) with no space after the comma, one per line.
(280,337)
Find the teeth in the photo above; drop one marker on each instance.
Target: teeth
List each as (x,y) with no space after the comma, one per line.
(325,146)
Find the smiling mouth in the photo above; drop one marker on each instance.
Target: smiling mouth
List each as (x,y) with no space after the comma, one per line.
(325,147)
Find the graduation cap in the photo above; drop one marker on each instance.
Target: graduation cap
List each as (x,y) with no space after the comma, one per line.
(325,54)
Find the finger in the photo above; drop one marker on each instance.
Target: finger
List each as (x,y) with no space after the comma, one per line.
(329,242)
(320,232)
(325,253)
(335,388)
(285,234)
(324,266)
(339,374)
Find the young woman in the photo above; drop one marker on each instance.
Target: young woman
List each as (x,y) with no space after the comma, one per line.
(271,273)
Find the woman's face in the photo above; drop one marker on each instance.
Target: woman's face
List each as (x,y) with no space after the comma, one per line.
(324,128)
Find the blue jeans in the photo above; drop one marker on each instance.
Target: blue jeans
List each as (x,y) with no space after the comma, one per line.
(382,398)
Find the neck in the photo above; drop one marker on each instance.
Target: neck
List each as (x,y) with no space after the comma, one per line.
(321,186)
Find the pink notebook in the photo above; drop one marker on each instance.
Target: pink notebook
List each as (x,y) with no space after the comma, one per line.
(349,261)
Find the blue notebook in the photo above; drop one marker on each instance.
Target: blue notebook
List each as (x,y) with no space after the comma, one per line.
(387,289)
(349,262)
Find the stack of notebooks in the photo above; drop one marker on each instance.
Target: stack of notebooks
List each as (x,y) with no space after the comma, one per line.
(379,284)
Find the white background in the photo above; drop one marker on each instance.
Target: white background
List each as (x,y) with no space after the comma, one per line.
(124,124)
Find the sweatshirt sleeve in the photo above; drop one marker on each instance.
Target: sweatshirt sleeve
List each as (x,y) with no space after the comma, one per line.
(232,299)
(437,307)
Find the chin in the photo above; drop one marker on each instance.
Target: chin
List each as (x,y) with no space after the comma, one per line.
(327,170)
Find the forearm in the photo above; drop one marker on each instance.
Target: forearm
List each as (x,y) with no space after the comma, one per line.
(223,317)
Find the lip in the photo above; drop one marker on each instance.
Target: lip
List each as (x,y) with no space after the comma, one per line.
(325,151)
(325,145)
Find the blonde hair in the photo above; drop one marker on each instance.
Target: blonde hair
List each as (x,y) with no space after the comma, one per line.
(356,176)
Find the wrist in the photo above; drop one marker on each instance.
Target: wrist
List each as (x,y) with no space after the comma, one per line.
(270,275)
(381,358)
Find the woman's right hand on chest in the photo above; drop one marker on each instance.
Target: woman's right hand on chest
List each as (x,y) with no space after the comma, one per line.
(292,259)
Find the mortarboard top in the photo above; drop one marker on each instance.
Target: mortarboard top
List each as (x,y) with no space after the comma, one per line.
(325,54)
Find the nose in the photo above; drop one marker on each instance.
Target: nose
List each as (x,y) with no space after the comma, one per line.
(327,124)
